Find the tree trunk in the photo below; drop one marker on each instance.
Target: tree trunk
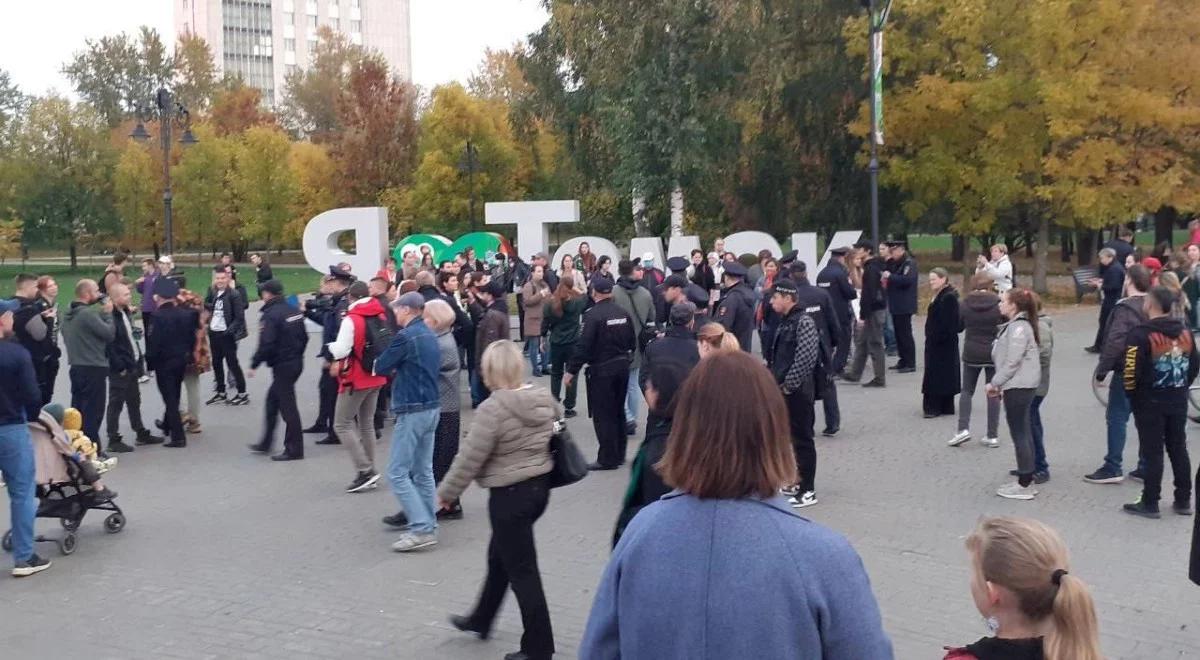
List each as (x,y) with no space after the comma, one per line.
(677,211)
(1039,256)
(1065,245)
(1086,240)
(1165,219)
(74,252)
(958,247)
(640,226)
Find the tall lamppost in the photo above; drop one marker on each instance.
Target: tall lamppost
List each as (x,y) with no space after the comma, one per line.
(469,165)
(169,114)
(876,17)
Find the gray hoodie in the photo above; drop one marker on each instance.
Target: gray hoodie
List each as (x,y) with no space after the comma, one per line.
(509,441)
(87,332)
(1016,356)
(1045,351)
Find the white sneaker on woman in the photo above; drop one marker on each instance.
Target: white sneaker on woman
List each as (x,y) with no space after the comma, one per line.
(991,443)
(959,438)
(1015,491)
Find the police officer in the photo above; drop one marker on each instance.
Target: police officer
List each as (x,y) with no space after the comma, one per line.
(834,279)
(794,359)
(282,339)
(694,292)
(328,315)
(901,278)
(735,309)
(817,303)
(606,345)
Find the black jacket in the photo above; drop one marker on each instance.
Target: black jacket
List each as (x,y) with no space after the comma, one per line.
(980,318)
(646,485)
(606,342)
(1122,248)
(233,308)
(676,344)
(818,305)
(20,398)
(735,311)
(795,354)
(262,273)
(873,296)
(943,375)
(122,357)
(327,312)
(1160,364)
(834,279)
(173,341)
(282,337)
(1127,315)
(902,286)
(34,331)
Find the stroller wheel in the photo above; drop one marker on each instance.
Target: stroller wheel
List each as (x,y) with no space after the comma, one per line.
(70,524)
(114,523)
(7,542)
(67,544)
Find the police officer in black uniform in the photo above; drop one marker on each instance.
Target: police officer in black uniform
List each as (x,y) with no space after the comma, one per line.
(328,315)
(794,359)
(282,339)
(902,278)
(606,345)
(695,293)
(817,303)
(735,309)
(834,279)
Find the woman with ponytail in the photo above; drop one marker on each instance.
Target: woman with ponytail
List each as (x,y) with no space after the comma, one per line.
(1022,585)
(1018,374)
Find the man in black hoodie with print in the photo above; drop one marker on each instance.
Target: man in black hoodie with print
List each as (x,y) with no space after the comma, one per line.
(1160,364)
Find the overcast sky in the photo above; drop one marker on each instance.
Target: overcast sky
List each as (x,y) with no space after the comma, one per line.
(448,36)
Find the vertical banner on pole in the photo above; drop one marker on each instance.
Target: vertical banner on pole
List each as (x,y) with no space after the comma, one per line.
(877,79)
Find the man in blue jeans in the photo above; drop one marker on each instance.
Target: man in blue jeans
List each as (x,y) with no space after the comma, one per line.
(20,398)
(413,360)
(1126,315)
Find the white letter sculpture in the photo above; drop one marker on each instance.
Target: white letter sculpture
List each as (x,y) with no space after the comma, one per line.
(531,219)
(370,227)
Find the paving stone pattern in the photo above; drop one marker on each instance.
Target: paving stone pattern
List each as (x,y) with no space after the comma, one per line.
(228,555)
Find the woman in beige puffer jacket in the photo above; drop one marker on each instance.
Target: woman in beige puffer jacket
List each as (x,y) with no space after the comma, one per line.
(507,451)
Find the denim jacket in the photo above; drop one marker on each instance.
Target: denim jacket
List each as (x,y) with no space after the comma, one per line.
(413,359)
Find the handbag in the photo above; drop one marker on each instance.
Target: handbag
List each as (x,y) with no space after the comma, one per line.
(569,464)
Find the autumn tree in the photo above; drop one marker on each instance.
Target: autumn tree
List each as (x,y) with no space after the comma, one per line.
(205,203)
(263,182)
(11,238)
(137,188)
(196,78)
(117,74)
(310,99)
(238,107)
(314,174)
(376,146)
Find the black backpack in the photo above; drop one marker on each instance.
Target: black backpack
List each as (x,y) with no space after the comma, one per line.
(378,338)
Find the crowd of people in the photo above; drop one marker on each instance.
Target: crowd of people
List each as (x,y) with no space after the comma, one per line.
(719,467)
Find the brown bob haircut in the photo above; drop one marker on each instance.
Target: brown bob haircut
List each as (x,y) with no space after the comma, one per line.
(729,442)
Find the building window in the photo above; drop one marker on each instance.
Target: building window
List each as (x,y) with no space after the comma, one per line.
(356,26)
(312,22)
(312,6)
(289,18)
(335,23)
(312,44)
(289,45)
(354,3)
(333,10)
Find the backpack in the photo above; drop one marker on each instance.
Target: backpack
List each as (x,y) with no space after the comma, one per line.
(378,338)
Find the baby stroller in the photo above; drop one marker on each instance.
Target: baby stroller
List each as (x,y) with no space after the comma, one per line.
(63,486)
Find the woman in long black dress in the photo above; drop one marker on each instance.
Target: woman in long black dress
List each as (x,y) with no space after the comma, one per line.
(942,379)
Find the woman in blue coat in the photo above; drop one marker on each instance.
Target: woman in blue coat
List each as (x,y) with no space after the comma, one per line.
(721,567)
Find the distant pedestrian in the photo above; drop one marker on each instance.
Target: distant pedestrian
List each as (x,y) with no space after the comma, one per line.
(998,269)
(1022,584)
(169,351)
(262,270)
(872,316)
(126,364)
(47,373)
(439,316)
(358,386)
(941,380)
(638,304)
(563,317)
(226,327)
(834,278)
(794,362)
(282,339)
(1041,467)
(727,458)
(492,326)
(735,308)
(901,280)
(87,330)
(20,401)
(979,321)
(33,326)
(1018,374)
(1111,284)
(507,451)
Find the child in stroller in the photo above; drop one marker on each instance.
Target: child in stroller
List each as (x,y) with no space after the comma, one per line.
(68,482)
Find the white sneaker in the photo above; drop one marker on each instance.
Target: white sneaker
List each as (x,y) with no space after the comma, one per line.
(808,498)
(410,541)
(790,492)
(991,443)
(959,438)
(1015,491)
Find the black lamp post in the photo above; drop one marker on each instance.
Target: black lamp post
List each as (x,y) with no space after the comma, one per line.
(877,15)
(169,114)
(469,165)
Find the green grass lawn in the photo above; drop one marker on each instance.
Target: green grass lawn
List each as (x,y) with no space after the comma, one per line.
(296,279)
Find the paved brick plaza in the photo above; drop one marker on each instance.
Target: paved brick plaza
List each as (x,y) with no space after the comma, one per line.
(228,555)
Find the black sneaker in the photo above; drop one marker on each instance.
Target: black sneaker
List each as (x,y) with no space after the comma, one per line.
(569,413)
(118,447)
(1091,349)
(34,564)
(316,428)
(240,399)
(465,624)
(906,370)
(1137,475)
(1182,508)
(218,397)
(830,431)
(330,439)
(398,520)
(1142,509)
(874,383)
(144,438)
(1104,476)
(363,481)
(455,512)
(1041,477)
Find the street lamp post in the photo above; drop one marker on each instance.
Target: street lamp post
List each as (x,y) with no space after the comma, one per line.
(469,165)
(169,114)
(875,21)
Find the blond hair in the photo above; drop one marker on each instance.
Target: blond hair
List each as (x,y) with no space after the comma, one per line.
(438,315)
(502,366)
(717,337)
(1029,558)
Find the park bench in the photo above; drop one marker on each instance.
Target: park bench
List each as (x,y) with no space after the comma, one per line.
(1083,282)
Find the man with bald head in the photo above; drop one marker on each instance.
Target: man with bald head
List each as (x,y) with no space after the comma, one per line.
(125,366)
(87,331)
